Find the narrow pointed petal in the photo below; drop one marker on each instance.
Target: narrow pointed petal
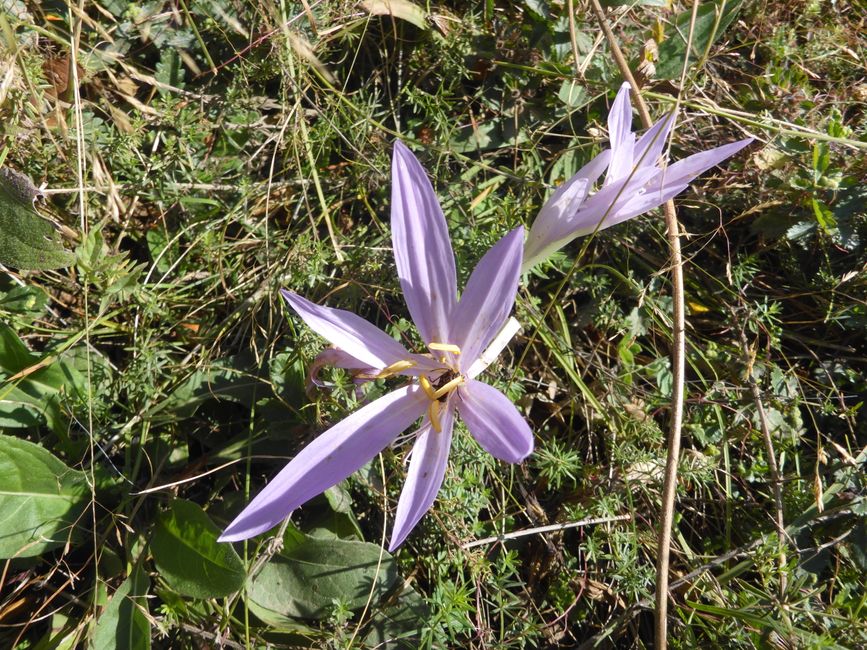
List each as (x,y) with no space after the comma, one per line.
(494,422)
(427,467)
(620,135)
(554,219)
(489,297)
(422,248)
(329,459)
(620,116)
(599,210)
(643,201)
(649,147)
(686,170)
(352,334)
(671,181)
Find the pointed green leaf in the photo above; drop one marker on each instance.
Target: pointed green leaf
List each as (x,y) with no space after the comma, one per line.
(189,557)
(124,624)
(36,395)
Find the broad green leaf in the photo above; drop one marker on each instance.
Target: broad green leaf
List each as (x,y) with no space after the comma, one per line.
(539,7)
(850,209)
(124,624)
(40,499)
(304,581)
(27,400)
(278,622)
(336,519)
(27,241)
(23,401)
(573,94)
(189,557)
(288,375)
(163,251)
(170,70)
(564,167)
(712,20)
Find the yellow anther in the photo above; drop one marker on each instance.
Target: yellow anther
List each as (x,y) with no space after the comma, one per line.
(426,386)
(433,414)
(396,367)
(449,387)
(445,347)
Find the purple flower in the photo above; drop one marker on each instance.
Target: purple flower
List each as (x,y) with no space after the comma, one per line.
(442,382)
(637,181)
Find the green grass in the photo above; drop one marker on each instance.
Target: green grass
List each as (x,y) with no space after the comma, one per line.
(165,366)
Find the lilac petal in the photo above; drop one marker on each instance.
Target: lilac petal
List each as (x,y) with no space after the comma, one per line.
(643,201)
(620,116)
(555,216)
(648,149)
(684,171)
(620,135)
(489,297)
(329,459)
(352,334)
(672,180)
(422,248)
(599,210)
(494,422)
(427,468)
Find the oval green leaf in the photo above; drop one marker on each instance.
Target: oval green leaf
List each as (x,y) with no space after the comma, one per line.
(40,499)
(189,557)
(305,580)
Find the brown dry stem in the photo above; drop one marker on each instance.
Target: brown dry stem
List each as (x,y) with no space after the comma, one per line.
(678,353)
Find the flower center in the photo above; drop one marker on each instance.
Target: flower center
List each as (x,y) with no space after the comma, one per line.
(438,392)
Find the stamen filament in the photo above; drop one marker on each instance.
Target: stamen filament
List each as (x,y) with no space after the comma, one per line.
(426,386)
(396,367)
(433,414)
(445,347)
(449,387)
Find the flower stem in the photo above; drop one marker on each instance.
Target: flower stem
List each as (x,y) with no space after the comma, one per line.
(669,489)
